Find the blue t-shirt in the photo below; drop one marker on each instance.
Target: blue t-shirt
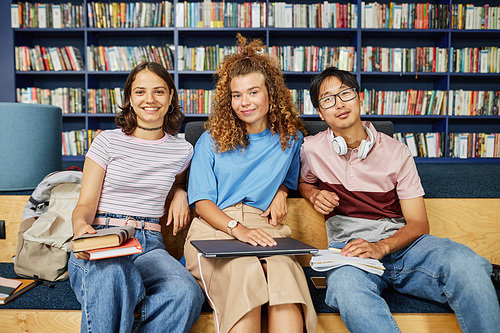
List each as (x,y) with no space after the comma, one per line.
(251,176)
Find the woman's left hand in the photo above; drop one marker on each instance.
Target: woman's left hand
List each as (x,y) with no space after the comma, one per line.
(178,212)
(277,210)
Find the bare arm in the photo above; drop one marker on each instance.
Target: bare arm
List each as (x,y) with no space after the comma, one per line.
(86,207)
(219,220)
(417,225)
(277,210)
(324,202)
(178,211)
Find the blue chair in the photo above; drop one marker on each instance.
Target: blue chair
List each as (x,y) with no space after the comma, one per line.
(30,144)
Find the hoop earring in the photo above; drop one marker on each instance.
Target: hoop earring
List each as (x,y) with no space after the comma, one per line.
(170,109)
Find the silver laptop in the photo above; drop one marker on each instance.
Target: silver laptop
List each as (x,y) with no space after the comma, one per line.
(231,248)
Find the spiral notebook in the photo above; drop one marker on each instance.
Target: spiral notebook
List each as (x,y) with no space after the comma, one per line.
(231,248)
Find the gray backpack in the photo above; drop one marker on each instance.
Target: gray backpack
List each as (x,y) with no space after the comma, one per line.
(44,237)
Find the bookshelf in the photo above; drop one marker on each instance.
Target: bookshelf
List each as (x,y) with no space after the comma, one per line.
(292,33)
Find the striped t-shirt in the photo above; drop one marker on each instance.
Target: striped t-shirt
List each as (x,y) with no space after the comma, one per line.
(139,173)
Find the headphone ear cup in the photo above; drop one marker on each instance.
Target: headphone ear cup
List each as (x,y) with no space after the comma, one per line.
(339,145)
(361,149)
(364,148)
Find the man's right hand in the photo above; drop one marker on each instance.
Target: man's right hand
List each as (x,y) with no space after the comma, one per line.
(324,201)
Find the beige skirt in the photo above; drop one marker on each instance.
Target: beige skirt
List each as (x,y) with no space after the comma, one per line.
(236,286)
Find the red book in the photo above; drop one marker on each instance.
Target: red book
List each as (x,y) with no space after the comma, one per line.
(131,246)
(44,57)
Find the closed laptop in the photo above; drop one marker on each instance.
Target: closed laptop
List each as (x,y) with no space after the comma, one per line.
(231,248)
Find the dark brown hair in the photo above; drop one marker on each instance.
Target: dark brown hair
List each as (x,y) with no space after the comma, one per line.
(127,119)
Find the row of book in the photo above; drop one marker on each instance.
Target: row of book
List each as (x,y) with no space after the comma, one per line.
(302,100)
(473,145)
(474,102)
(281,15)
(385,59)
(130,15)
(41,58)
(195,101)
(409,102)
(74,143)
(475,60)
(77,142)
(316,15)
(314,58)
(199,101)
(404,16)
(124,58)
(419,59)
(203,58)
(70,100)
(430,144)
(220,14)
(25,14)
(468,16)
(105,100)
(398,103)
(290,58)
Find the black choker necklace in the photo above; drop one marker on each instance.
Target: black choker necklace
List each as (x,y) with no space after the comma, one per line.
(150,128)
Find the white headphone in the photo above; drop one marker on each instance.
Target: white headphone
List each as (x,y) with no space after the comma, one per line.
(340,146)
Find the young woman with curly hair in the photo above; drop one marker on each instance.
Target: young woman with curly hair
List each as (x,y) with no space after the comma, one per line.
(242,169)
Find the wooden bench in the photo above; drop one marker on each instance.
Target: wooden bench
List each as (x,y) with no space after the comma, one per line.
(473,222)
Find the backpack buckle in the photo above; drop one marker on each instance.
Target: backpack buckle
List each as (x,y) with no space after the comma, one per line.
(41,205)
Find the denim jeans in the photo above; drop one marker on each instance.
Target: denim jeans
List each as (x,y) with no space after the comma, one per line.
(432,268)
(153,284)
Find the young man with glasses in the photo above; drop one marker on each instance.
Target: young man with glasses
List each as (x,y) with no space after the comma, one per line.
(366,184)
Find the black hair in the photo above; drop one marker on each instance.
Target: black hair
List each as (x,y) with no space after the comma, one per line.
(345,78)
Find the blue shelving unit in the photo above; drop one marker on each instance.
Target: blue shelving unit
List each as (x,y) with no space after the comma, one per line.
(357,37)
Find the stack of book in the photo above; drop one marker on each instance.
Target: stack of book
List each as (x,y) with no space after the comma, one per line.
(12,288)
(107,243)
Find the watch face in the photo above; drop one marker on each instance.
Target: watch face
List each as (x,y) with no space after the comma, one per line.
(232,224)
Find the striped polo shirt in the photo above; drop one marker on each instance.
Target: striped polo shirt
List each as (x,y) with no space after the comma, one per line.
(368,188)
(139,173)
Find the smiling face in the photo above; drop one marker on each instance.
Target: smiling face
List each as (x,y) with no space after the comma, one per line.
(250,101)
(150,98)
(342,115)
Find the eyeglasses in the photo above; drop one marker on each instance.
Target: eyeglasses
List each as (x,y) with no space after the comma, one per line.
(345,96)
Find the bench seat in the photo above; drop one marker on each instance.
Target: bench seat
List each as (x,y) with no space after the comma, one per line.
(473,222)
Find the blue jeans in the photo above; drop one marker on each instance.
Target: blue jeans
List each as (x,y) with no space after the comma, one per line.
(432,268)
(153,284)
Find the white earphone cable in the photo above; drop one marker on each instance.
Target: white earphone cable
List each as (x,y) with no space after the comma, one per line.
(208,296)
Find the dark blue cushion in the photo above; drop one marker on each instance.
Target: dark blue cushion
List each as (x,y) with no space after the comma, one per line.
(61,297)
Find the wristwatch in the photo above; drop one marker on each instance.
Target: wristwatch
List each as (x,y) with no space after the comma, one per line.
(231,225)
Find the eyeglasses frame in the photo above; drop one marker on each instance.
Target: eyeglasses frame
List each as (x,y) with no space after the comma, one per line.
(338,95)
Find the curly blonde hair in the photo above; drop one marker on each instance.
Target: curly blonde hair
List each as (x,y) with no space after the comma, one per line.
(226,129)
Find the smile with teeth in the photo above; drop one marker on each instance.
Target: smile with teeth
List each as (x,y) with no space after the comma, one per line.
(150,109)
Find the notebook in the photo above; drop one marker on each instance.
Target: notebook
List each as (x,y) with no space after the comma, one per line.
(230,248)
